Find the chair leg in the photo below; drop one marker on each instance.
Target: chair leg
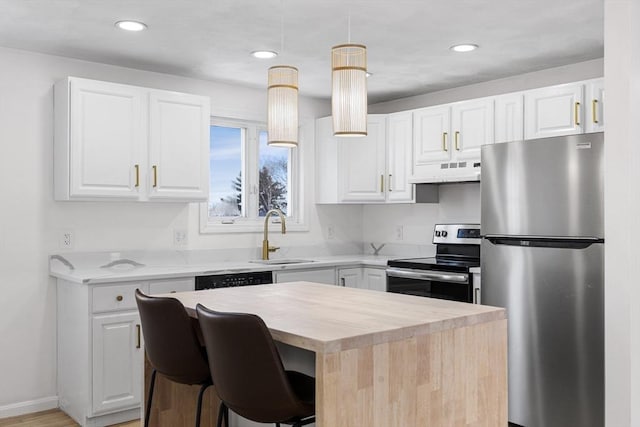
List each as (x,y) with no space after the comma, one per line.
(147,412)
(226,416)
(221,414)
(199,407)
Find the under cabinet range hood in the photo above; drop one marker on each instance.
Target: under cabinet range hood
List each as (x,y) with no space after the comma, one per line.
(467,171)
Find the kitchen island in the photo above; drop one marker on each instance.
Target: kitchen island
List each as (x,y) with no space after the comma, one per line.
(384,359)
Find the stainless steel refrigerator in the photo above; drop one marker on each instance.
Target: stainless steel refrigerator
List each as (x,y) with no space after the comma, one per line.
(542,258)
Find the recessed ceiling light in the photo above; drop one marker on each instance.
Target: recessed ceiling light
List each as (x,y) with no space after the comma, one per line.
(264,54)
(131,25)
(464,47)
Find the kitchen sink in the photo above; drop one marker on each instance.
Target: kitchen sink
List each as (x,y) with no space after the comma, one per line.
(281,261)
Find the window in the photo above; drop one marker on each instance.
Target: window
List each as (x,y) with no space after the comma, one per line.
(248,178)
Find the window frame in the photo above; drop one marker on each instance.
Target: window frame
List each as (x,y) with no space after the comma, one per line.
(250,156)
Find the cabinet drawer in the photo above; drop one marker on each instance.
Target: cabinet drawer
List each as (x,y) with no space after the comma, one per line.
(112,298)
(171,286)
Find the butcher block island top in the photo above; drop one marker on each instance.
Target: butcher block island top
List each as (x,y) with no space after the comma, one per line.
(328,318)
(382,359)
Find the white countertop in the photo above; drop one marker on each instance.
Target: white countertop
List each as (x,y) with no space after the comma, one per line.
(164,269)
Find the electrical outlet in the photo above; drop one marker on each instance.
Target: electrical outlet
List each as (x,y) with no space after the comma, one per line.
(399,232)
(180,237)
(66,239)
(331,232)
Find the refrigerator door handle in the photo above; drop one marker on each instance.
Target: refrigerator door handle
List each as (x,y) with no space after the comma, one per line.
(544,242)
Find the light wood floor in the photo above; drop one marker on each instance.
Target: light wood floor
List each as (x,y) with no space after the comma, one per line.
(52,418)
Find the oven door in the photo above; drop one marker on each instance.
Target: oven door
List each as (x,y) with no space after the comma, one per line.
(433,284)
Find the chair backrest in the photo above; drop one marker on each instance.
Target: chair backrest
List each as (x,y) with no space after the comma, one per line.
(246,367)
(171,341)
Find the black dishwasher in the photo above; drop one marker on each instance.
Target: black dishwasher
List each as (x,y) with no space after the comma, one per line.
(214,281)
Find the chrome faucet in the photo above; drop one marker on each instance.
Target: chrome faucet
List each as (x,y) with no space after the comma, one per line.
(265,241)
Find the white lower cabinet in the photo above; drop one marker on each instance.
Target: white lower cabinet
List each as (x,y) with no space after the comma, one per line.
(363,278)
(101,349)
(350,277)
(117,361)
(318,275)
(375,278)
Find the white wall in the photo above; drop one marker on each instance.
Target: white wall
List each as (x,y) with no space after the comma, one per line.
(458,203)
(30,220)
(622,212)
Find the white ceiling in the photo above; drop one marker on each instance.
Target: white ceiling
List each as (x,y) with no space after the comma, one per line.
(407,40)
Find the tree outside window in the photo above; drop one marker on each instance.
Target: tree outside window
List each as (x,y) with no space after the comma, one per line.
(265,185)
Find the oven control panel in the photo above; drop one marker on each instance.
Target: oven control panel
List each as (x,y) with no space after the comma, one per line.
(463,234)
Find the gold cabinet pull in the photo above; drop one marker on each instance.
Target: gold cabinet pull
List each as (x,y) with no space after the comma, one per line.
(119,298)
(389,186)
(576,111)
(444,142)
(137,167)
(138,342)
(382,183)
(594,111)
(155,176)
(457,139)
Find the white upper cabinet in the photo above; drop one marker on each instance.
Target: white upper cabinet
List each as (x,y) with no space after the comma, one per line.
(472,127)
(554,111)
(594,121)
(371,169)
(326,162)
(399,164)
(447,140)
(431,129)
(361,164)
(99,136)
(121,142)
(178,158)
(509,117)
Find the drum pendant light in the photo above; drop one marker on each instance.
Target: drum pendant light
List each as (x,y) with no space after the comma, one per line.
(282,108)
(282,100)
(349,88)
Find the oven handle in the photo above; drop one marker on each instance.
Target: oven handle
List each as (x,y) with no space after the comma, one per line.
(428,275)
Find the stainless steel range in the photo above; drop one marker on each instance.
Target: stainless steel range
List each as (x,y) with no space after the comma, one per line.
(445,276)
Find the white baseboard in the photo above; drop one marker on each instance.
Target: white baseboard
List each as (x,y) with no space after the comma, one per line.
(21,408)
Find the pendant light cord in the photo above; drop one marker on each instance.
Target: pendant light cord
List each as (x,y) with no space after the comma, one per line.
(282,26)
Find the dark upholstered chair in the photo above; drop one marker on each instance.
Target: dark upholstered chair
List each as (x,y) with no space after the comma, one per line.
(172,346)
(248,372)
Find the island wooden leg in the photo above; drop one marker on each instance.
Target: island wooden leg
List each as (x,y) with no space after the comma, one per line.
(456,377)
(174,405)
